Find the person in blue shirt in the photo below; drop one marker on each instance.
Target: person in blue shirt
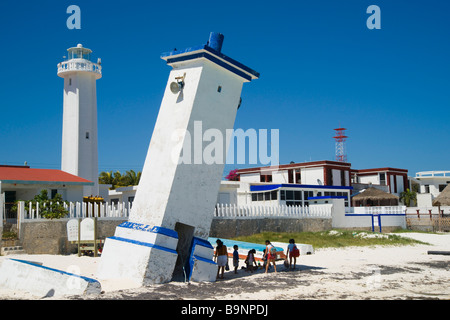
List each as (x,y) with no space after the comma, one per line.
(235,258)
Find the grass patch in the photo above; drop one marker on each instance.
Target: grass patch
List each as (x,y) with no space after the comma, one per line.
(331,239)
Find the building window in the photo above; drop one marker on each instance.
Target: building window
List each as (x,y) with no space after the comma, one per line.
(219,89)
(130,201)
(427,188)
(87,135)
(298,177)
(442,187)
(70,81)
(383,179)
(292,198)
(266,178)
(265,196)
(289,195)
(308,194)
(329,177)
(291,176)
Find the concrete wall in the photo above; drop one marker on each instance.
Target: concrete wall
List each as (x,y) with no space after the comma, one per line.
(251,177)
(311,175)
(280,176)
(50,236)
(373,179)
(342,220)
(425,199)
(230,228)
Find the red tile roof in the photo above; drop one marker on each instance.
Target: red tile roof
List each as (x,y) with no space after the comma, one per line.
(26,175)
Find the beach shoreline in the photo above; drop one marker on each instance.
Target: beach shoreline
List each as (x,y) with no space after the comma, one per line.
(374,273)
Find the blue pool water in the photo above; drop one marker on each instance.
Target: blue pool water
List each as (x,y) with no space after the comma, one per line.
(242,245)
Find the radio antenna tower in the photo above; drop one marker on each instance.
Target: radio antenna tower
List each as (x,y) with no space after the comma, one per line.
(340,139)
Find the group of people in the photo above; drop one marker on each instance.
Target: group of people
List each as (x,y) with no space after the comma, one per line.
(221,257)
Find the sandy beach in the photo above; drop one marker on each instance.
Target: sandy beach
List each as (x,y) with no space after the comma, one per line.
(380,272)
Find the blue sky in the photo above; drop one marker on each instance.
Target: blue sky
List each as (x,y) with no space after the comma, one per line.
(320,67)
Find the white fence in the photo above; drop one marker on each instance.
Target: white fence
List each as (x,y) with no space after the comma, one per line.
(77,210)
(255,211)
(376,210)
(27,211)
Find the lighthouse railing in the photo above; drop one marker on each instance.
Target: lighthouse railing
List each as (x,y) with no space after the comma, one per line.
(79,65)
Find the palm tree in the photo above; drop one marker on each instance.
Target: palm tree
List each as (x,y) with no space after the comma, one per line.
(130,178)
(106,178)
(111,178)
(116,179)
(408,196)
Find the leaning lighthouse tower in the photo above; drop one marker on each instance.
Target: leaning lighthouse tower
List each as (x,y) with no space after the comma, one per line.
(79,138)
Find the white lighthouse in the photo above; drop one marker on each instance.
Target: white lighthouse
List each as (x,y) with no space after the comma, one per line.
(79,138)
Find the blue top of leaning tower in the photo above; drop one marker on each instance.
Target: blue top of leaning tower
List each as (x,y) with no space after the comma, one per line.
(213,52)
(79,60)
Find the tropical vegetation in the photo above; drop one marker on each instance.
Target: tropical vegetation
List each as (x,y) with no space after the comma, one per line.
(117,179)
(48,208)
(232,175)
(408,197)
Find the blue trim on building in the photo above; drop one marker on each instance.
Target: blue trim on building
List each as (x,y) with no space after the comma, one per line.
(209,53)
(149,228)
(270,187)
(373,216)
(145,244)
(212,59)
(56,270)
(327,197)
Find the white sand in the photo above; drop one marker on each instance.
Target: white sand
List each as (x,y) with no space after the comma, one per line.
(388,272)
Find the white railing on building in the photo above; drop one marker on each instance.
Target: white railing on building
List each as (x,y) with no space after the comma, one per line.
(377,210)
(432,174)
(79,65)
(28,211)
(276,211)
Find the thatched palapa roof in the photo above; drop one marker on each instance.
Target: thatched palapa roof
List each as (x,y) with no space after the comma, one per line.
(443,199)
(374,197)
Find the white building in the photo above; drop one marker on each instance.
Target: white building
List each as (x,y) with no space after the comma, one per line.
(431,184)
(79,137)
(246,193)
(311,182)
(329,173)
(23,183)
(122,195)
(392,180)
